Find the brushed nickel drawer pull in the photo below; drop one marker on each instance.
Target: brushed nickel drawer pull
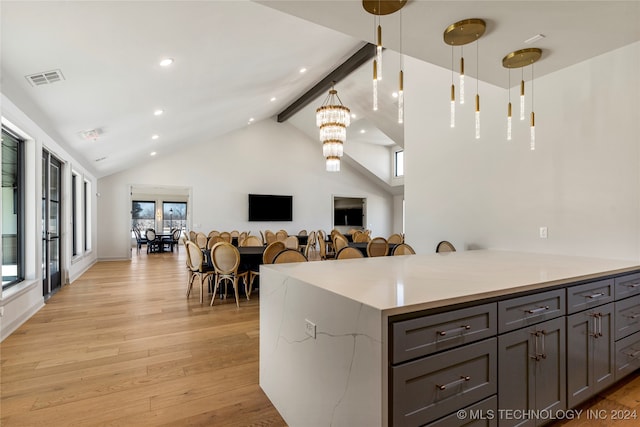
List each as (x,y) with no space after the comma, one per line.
(633,284)
(456,330)
(463,379)
(633,316)
(537,310)
(599,294)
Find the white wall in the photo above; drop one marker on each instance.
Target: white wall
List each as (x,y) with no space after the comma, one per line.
(21,301)
(266,158)
(582,181)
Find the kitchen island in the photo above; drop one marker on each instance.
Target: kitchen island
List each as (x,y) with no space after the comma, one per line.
(410,340)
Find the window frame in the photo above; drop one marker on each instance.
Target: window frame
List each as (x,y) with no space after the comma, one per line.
(19,205)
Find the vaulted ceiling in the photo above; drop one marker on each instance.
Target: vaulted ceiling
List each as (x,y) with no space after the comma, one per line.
(240,60)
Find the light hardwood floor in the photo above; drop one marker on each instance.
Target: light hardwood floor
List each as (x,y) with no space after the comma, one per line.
(123,346)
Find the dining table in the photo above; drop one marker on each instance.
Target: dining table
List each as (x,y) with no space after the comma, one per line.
(362,246)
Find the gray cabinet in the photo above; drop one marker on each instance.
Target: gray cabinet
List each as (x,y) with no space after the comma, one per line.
(531,372)
(590,353)
(627,324)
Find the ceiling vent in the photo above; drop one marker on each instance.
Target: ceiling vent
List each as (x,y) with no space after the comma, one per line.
(45,78)
(99,159)
(91,134)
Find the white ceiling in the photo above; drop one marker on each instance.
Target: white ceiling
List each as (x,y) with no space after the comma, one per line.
(232,57)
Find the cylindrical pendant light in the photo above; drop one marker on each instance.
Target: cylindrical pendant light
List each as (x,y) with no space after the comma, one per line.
(375,85)
(459,34)
(509,108)
(520,59)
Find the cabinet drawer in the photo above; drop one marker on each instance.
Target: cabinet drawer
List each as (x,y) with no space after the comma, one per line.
(482,414)
(425,335)
(627,317)
(524,311)
(627,286)
(589,295)
(627,355)
(432,387)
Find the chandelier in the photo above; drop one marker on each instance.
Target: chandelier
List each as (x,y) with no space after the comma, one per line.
(332,117)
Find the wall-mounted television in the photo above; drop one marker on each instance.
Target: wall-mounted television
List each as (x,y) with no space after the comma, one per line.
(269,207)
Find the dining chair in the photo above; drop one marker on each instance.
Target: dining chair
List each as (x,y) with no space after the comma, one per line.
(213,233)
(226,236)
(153,243)
(235,233)
(270,236)
(403,249)
(139,239)
(192,235)
(213,240)
(251,241)
(445,246)
(242,237)
(378,246)
(291,242)
(395,238)
(325,252)
(349,253)
(339,242)
(311,244)
(281,235)
(201,240)
(226,261)
(191,273)
(289,255)
(198,268)
(173,240)
(271,251)
(264,242)
(361,237)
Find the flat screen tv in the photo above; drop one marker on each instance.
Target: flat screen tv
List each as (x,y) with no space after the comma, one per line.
(269,207)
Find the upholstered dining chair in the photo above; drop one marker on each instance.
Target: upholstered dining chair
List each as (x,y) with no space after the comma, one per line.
(289,255)
(153,242)
(139,239)
(349,253)
(377,246)
(403,249)
(445,246)
(226,261)
(195,261)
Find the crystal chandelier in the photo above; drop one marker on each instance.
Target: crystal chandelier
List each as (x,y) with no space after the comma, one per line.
(332,117)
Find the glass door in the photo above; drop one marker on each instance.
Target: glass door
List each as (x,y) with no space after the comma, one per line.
(51,210)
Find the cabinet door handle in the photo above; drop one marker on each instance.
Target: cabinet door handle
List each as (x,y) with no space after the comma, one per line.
(463,379)
(596,295)
(634,354)
(537,310)
(599,324)
(454,331)
(536,346)
(543,333)
(633,316)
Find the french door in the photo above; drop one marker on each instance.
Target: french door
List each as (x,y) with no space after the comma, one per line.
(51,211)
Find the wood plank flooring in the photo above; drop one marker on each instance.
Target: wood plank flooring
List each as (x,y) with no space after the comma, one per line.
(123,346)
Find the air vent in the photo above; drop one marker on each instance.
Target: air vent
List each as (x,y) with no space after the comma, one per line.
(100,159)
(45,78)
(91,134)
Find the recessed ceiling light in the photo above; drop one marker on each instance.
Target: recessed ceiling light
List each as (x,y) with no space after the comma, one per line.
(394,94)
(362,131)
(155,136)
(353,115)
(303,70)
(153,153)
(273,98)
(251,120)
(158,112)
(166,62)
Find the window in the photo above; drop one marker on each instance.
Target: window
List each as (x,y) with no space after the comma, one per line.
(174,215)
(12,208)
(399,163)
(74,216)
(87,215)
(143,215)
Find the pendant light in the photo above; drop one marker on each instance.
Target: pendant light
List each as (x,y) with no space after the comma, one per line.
(452,113)
(459,34)
(520,59)
(477,94)
(379,8)
(509,109)
(333,118)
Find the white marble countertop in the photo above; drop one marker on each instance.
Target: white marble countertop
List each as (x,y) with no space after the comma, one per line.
(397,284)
